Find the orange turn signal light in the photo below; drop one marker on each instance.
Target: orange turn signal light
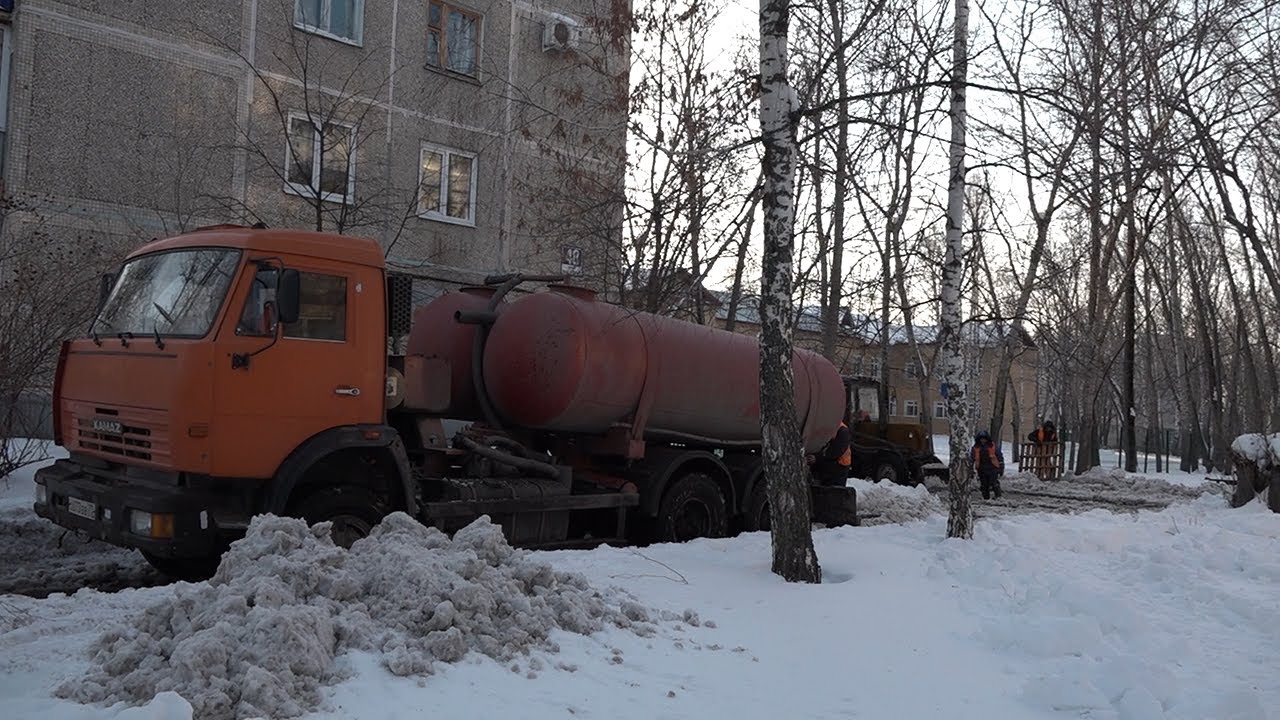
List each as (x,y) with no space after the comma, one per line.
(162,525)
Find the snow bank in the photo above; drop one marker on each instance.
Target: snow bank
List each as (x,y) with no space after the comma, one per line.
(1115,483)
(892,503)
(1262,450)
(262,637)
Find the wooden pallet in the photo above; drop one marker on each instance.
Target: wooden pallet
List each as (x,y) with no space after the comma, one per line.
(1044,460)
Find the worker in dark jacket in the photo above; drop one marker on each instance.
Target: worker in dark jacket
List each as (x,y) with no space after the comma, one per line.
(988,464)
(1044,434)
(831,465)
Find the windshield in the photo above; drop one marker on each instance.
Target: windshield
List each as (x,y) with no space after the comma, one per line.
(170,293)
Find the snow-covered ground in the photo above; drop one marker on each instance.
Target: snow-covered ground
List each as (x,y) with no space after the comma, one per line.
(1111,459)
(1126,616)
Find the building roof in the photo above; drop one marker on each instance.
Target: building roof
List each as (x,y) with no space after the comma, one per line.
(868,327)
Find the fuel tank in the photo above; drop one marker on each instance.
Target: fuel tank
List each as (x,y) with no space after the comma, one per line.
(559,360)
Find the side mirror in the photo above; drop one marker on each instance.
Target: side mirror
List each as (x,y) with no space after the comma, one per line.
(288,297)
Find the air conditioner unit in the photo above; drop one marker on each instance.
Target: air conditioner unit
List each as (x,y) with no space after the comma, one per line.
(561,33)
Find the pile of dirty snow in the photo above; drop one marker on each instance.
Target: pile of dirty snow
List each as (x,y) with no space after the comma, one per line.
(884,502)
(262,637)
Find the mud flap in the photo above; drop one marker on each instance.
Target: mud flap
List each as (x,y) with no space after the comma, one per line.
(834,506)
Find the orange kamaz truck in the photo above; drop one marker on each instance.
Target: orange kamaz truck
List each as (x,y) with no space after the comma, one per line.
(235,371)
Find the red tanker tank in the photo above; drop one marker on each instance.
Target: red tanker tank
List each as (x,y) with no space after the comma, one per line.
(561,361)
(436,334)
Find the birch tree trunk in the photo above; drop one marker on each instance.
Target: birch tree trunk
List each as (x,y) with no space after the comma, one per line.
(951,358)
(785,473)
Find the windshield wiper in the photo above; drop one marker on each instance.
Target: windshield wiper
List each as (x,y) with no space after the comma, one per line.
(123,336)
(93,330)
(166,315)
(156,330)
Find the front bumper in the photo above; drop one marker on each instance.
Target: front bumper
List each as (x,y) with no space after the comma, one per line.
(109,500)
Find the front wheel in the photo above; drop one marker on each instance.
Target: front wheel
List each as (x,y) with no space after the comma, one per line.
(354,513)
(889,470)
(692,508)
(191,569)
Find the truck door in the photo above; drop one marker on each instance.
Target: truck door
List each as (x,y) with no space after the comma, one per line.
(273,390)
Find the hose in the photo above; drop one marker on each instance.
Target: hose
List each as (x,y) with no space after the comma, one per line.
(505,458)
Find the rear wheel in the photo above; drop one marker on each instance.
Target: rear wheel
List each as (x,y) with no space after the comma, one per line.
(354,512)
(757,517)
(692,508)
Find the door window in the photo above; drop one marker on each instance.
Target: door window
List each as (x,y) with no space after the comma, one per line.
(322,310)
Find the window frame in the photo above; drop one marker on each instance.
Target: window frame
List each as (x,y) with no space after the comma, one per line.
(313,191)
(436,215)
(346,309)
(939,410)
(442,52)
(326,13)
(908,405)
(281,330)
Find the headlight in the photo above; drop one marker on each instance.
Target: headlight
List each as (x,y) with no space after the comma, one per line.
(140,523)
(42,494)
(153,525)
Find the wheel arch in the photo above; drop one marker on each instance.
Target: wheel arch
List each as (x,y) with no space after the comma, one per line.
(380,444)
(661,475)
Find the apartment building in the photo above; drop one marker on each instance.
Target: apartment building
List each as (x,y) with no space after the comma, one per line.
(467,136)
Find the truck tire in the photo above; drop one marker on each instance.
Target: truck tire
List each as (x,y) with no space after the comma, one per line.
(191,569)
(692,508)
(757,516)
(888,469)
(354,512)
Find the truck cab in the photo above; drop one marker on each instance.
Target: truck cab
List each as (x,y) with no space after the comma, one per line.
(899,452)
(217,357)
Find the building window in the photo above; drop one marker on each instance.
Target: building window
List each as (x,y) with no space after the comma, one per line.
(447,185)
(915,369)
(939,409)
(338,19)
(320,159)
(453,39)
(912,409)
(875,367)
(893,407)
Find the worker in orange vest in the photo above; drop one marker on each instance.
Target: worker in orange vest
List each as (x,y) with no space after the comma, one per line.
(1046,433)
(988,464)
(831,465)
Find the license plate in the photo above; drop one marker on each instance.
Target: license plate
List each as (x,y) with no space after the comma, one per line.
(82,508)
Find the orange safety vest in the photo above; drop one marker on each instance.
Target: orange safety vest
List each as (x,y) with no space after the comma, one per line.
(991,450)
(846,458)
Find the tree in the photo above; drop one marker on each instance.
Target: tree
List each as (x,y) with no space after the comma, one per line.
(789,502)
(951,357)
(46,287)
